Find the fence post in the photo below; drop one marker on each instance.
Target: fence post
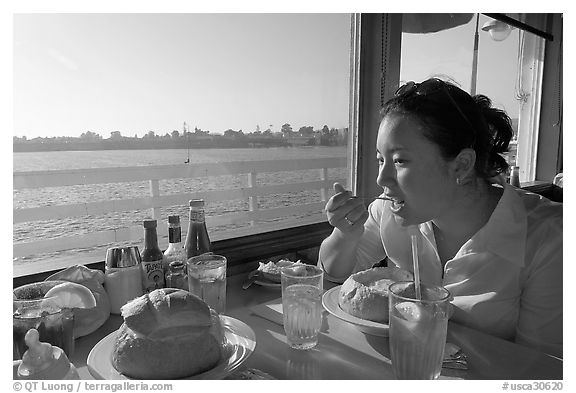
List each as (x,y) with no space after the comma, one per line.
(252,200)
(323,190)
(155,193)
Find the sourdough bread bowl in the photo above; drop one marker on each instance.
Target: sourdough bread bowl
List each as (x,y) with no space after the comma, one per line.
(167,334)
(365,294)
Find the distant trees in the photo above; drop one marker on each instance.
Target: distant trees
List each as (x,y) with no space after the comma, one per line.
(286,130)
(90,140)
(90,136)
(306,131)
(233,134)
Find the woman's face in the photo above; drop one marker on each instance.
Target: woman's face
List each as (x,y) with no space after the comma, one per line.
(412,171)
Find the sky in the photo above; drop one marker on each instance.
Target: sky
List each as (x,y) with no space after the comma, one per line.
(141,72)
(136,73)
(450,52)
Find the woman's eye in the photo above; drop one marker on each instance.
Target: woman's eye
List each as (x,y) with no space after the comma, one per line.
(380,161)
(399,161)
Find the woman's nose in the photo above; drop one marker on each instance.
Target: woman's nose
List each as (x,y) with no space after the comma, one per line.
(386,175)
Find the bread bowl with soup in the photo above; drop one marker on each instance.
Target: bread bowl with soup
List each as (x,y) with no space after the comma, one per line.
(365,294)
(167,334)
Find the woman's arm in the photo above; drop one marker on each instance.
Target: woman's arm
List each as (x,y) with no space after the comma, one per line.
(337,255)
(540,319)
(354,247)
(347,214)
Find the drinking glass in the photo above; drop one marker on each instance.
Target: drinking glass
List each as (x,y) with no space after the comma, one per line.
(30,309)
(417,329)
(302,304)
(207,279)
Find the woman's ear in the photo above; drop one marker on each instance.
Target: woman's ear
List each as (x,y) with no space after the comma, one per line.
(463,165)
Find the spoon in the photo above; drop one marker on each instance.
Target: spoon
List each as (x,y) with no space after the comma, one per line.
(384,198)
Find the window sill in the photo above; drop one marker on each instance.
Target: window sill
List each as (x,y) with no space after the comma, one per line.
(239,251)
(547,190)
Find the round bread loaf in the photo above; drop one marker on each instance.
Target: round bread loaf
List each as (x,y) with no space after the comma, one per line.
(365,294)
(167,334)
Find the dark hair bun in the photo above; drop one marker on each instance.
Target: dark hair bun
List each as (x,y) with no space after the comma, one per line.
(497,138)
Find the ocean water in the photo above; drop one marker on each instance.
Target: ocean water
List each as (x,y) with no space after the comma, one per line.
(50,229)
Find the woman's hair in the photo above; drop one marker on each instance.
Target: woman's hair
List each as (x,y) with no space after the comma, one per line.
(454,120)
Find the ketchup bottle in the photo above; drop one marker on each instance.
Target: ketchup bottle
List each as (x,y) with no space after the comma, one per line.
(197,239)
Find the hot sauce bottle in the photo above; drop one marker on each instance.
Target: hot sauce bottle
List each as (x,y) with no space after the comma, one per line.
(152,266)
(175,250)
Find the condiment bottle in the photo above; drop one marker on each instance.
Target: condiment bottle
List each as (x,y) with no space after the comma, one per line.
(175,250)
(153,272)
(176,276)
(123,276)
(197,239)
(44,361)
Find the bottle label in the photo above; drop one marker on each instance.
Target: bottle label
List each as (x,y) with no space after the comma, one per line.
(153,275)
(197,215)
(174,235)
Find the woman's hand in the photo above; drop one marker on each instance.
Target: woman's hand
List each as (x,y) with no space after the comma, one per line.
(346,212)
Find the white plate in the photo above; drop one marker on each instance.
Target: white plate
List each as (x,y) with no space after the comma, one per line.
(240,338)
(330,303)
(267,283)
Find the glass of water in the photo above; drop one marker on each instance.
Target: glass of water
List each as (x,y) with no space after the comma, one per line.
(302,305)
(207,279)
(418,329)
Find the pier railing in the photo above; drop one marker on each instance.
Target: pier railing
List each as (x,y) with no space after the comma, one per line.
(253,220)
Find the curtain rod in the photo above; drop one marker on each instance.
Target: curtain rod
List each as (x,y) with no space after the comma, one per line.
(521,25)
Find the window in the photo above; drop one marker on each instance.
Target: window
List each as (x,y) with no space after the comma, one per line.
(120,117)
(316,70)
(509,70)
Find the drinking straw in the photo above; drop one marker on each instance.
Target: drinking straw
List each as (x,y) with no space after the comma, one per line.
(413,230)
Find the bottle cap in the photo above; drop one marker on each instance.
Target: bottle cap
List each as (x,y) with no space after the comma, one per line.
(42,360)
(176,265)
(150,224)
(174,219)
(197,203)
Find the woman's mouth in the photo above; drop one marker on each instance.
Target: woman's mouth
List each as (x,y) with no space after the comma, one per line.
(396,205)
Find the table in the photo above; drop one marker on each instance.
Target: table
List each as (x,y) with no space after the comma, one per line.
(344,352)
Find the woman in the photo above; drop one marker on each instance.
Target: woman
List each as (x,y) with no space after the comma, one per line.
(496,248)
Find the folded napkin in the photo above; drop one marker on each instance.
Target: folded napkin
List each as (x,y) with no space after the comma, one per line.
(271,311)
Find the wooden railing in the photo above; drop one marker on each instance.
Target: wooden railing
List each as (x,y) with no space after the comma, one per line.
(155,201)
